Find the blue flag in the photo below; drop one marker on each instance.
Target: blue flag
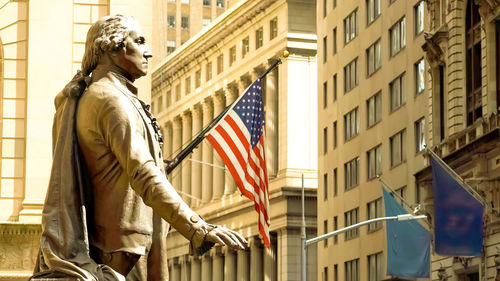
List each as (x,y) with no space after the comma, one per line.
(408,244)
(458,216)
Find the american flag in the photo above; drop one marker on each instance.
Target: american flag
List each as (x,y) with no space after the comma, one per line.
(239,140)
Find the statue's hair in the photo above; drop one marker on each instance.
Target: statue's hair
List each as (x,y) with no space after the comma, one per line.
(105,35)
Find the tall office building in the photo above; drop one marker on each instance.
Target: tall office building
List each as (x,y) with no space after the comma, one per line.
(463,51)
(372,113)
(178,20)
(194,84)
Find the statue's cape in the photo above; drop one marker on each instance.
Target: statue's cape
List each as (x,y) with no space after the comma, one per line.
(64,244)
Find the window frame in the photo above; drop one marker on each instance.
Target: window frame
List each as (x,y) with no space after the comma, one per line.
(377,109)
(399,26)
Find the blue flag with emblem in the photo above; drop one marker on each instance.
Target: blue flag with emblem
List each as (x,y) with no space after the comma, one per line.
(408,243)
(458,216)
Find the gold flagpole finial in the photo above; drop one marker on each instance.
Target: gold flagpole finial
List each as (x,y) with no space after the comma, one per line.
(286,53)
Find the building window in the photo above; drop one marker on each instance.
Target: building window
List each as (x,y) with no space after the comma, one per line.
(351,173)
(473,62)
(419,17)
(206,21)
(375,267)
(208,71)
(325,228)
(397,144)
(399,195)
(374,109)
(325,94)
(334,134)
(351,124)
(259,38)
(170,47)
(273,27)
(185,1)
(373,58)
(335,272)
(350,218)
(324,8)
(207,2)
(352,270)
(197,78)
(351,75)
(372,10)
(220,64)
(245,47)
(159,107)
(335,183)
(325,186)
(171,21)
(398,36)
(374,209)
(325,140)
(397,92)
(169,99)
(171,1)
(232,55)
(334,43)
(420,134)
(374,157)
(334,87)
(188,85)
(325,49)
(334,4)
(419,76)
(335,227)
(350,27)
(184,22)
(220,3)
(177,92)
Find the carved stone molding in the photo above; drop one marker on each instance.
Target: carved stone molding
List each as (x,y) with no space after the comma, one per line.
(487,7)
(497,264)
(19,246)
(432,46)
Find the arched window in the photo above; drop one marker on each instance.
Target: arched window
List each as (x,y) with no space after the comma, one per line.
(473,62)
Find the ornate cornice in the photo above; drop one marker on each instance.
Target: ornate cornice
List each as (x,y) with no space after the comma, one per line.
(196,49)
(488,7)
(432,46)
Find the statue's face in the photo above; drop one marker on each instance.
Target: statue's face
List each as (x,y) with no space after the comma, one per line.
(133,57)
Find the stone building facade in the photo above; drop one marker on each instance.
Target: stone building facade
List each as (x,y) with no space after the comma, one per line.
(194,84)
(462,49)
(41,47)
(372,118)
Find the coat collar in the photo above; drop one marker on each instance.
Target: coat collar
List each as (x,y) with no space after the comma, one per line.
(115,75)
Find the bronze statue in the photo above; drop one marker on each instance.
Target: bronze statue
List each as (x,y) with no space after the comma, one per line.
(108,202)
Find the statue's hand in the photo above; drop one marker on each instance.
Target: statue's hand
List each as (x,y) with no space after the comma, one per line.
(224,236)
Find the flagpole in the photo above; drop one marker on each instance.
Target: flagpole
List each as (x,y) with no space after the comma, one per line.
(303,236)
(454,174)
(172,164)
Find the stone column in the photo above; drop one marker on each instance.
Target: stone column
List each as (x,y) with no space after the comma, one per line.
(206,190)
(229,264)
(195,268)
(256,259)
(185,268)
(218,173)
(196,166)
(186,164)
(272,121)
(175,273)
(270,262)
(231,96)
(206,267)
(167,146)
(243,267)
(176,175)
(217,264)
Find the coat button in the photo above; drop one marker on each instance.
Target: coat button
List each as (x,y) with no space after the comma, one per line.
(195,218)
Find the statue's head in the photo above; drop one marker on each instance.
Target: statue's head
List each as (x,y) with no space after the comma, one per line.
(118,40)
